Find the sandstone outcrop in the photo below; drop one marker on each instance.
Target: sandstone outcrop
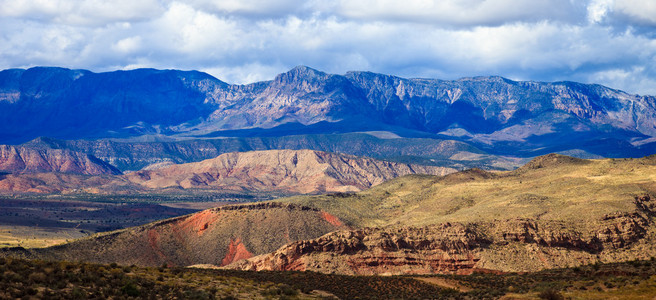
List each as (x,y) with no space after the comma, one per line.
(453,248)
(446,248)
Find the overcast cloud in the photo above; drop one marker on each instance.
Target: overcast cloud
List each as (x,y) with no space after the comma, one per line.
(612,42)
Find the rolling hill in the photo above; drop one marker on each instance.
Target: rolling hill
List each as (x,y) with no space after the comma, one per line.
(216,236)
(556,211)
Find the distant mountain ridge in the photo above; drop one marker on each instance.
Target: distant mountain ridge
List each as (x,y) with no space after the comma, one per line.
(495,114)
(284,172)
(25,159)
(296,171)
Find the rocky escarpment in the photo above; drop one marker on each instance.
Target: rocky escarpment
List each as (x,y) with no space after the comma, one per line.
(292,171)
(452,248)
(17,159)
(446,248)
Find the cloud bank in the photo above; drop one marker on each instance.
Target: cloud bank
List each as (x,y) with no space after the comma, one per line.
(611,42)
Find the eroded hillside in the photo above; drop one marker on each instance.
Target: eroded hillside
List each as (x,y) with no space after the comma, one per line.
(556,211)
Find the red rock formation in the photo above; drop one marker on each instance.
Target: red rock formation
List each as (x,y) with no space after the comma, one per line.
(236,251)
(331,219)
(456,248)
(446,248)
(17,159)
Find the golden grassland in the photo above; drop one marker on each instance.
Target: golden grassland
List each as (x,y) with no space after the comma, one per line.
(35,237)
(552,187)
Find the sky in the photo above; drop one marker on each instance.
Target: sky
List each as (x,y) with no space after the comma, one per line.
(610,42)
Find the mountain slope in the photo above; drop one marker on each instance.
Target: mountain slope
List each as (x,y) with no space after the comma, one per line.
(295,171)
(34,160)
(265,172)
(556,211)
(498,115)
(215,236)
(132,155)
(552,187)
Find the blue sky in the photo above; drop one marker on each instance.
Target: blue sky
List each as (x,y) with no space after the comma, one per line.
(612,42)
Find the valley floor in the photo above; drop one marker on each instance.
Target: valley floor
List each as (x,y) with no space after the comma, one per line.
(41,221)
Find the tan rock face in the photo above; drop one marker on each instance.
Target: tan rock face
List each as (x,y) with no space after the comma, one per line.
(16,159)
(297,171)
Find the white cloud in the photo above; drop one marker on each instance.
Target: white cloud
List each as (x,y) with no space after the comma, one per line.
(245,41)
(81,12)
(598,9)
(128,45)
(463,12)
(642,10)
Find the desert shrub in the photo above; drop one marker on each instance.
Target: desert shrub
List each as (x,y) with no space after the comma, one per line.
(130,289)
(197,295)
(551,294)
(78,293)
(31,291)
(287,290)
(38,277)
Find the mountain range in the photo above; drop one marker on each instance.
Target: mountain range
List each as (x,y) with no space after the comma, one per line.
(493,114)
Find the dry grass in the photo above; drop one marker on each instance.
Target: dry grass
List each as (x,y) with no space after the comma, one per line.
(552,187)
(35,237)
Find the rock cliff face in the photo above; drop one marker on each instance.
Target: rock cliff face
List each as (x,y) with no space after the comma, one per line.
(292,171)
(452,248)
(447,248)
(497,114)
(34,160)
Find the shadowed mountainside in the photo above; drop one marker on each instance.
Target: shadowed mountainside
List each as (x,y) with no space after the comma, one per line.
(135,154)
(495,114)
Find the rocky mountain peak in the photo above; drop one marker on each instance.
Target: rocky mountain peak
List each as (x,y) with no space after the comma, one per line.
(299,73)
